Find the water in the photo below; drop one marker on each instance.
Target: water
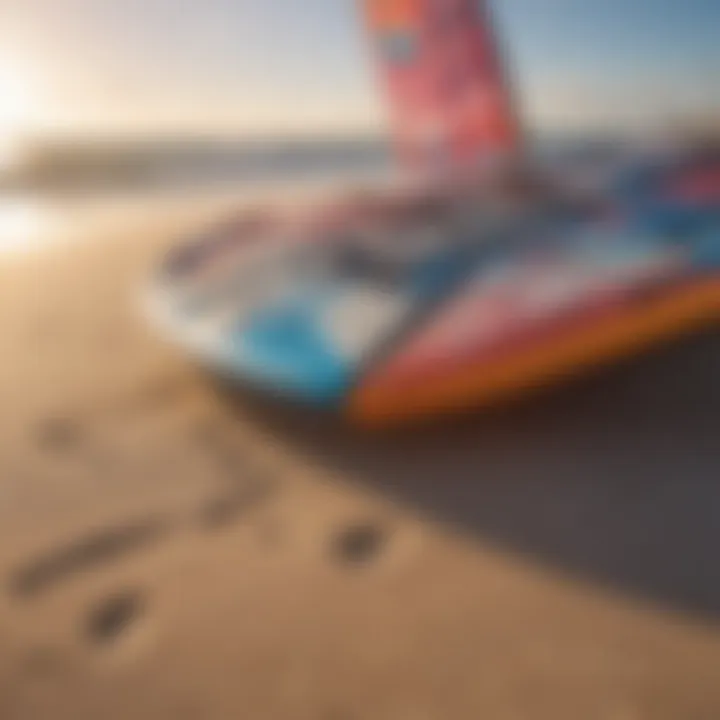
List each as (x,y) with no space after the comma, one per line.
(58,190)
(96,166)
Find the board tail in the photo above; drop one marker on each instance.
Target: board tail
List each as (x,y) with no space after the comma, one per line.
(450,104)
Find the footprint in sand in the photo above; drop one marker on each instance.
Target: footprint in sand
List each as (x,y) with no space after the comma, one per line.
(244,488)
(359,544)
(65,432)
(230,506)
(99,549)
(60,434)
(112,618)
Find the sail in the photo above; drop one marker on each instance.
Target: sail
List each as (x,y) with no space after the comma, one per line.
(449,101)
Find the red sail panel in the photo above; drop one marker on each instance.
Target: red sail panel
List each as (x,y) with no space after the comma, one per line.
(449,101)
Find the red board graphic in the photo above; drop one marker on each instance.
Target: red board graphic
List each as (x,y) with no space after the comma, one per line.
(449,101)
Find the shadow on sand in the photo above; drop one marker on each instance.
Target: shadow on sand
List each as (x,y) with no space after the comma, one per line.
(615,479)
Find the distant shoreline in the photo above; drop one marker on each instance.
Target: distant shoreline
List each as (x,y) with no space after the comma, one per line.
(91,165)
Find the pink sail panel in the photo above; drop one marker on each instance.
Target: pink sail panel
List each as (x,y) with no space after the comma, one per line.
(449,102)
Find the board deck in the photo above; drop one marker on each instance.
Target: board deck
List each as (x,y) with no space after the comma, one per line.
(419,304)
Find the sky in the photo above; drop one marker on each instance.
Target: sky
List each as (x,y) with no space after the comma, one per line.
(269,66)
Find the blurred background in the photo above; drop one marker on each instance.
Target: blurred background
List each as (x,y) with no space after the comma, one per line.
(100,96)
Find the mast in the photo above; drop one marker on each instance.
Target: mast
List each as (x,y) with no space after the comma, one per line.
(450,104)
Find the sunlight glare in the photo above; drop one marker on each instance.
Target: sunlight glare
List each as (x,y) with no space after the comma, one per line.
(16,105)
(22,225)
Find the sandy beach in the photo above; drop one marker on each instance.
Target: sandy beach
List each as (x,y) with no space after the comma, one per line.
(168,550)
